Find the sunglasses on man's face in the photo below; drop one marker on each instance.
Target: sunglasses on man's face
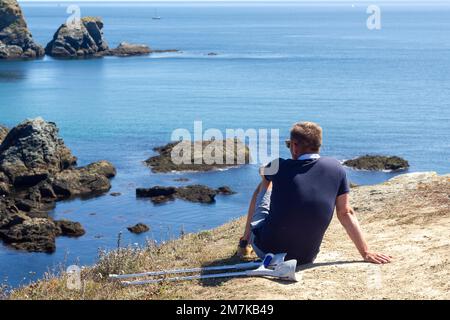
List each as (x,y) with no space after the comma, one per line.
(288,144)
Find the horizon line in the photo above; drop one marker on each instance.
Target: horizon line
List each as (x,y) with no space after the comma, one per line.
(256,1)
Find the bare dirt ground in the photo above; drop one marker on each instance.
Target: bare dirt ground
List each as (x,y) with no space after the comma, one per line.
(407,217)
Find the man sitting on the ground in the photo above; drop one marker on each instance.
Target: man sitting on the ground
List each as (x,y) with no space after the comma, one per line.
(293,206)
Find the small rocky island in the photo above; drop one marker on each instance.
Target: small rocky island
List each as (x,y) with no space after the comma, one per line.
(77,41)
(16,41)
(374,162)
(87,40)
(193,193)
(36,171)
(194,154)
(138,228)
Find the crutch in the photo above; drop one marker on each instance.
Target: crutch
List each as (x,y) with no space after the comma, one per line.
(270,261)
(283,271)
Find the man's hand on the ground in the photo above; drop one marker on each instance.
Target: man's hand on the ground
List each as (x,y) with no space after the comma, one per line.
(377,258)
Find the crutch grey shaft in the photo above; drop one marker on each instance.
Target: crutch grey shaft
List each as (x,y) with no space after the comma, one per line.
(275,260)
(283,271)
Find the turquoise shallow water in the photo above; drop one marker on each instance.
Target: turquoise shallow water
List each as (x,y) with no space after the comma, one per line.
(383,91)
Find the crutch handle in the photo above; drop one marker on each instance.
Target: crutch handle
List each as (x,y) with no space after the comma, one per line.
(267,260)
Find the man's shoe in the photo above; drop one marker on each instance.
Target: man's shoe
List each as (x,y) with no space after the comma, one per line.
(245,250)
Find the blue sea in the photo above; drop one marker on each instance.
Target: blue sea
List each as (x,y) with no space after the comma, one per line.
(381,91)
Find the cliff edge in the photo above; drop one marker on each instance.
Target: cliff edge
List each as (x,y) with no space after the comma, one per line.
(407,217)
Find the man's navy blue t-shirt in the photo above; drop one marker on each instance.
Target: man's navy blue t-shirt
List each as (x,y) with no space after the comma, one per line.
(301,208)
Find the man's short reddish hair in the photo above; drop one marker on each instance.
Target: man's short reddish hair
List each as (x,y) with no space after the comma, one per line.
(308,135)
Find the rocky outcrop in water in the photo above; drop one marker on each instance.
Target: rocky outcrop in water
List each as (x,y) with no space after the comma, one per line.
(138,228)
(225,190)
(32,152)
(37,170)
(16,40)
(192,193)
(84,38)
(198,155)
(69,228)
(77,39)
(125,49)
(371,162)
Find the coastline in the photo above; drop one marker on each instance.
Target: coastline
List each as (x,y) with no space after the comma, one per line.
(287,63)
(408,216)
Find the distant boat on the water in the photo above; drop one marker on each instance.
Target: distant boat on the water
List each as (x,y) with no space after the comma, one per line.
(156,16)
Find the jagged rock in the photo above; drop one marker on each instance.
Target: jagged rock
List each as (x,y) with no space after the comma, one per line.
(32,151)
(24,205)
(46,191)
(69,228)
(138,228)
(30,234)
(82,181)
(125,49)
(16,40)
(371,162)
(5,188)
(234,151)
(157,194)
(192,193)
(103,168)
(36,170)
(3,133)
(197,193)
(86,39)
(78,40)
(8,212)
(225,190)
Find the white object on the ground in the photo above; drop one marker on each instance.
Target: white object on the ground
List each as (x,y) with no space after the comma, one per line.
(270,261)
(284,271)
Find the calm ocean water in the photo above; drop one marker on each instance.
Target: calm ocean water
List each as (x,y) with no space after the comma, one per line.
(385,92)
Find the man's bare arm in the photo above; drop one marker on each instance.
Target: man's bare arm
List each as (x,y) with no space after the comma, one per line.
(251,209)
(250,212)
(349,221)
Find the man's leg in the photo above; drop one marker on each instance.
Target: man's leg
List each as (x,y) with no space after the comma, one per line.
(258,210)
(262,210)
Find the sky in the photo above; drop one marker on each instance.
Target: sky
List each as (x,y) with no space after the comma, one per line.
(308,2)
(298,1)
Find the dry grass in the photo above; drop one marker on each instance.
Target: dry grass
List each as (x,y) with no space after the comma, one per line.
(409,221)
(190,251)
